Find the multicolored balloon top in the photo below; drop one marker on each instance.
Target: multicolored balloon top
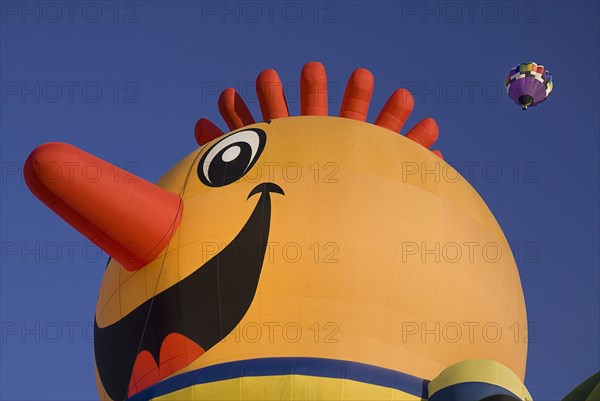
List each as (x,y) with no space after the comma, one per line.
(528,84)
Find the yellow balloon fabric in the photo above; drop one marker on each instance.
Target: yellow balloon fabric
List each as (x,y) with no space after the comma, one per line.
(381,261)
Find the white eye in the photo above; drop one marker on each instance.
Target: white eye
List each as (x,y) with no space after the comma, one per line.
(231,153)
(230,158)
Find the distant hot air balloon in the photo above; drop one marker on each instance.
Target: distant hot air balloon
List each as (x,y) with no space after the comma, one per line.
(528,84)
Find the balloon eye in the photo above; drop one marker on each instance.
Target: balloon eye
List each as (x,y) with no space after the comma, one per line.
(229,159)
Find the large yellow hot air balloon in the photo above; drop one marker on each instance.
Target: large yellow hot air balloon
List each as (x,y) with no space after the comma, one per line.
(300,258)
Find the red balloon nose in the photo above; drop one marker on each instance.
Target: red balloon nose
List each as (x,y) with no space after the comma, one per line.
(128,217)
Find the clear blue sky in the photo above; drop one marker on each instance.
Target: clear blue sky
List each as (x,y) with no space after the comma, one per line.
(127,81)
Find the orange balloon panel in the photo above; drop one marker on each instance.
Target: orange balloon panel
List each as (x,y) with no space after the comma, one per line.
(314,237)
(126,216)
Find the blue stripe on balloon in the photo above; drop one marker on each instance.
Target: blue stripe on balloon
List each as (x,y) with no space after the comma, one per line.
(470,391)
(319,367)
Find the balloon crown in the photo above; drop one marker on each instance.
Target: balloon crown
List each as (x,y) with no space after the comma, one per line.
(532,69)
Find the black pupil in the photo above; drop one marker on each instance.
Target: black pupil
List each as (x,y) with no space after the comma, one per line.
(221,172)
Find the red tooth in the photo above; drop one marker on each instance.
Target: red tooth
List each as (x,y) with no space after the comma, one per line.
(176,352)
(145,373)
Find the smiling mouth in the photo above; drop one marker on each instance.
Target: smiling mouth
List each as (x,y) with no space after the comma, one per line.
(171,330)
